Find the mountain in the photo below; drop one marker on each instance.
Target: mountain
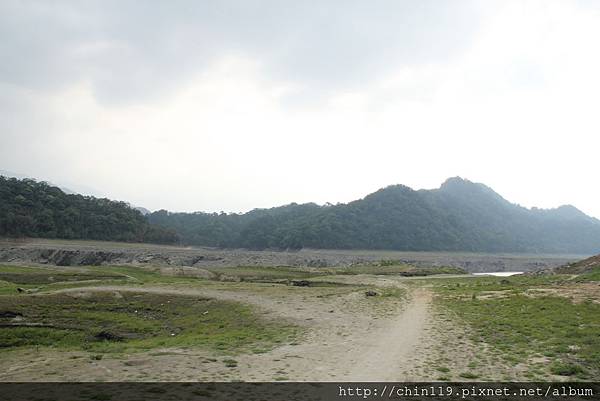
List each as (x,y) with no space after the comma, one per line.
(83,190)
(38,209)
(458,216)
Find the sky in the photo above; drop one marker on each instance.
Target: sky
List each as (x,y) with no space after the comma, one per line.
(234,105)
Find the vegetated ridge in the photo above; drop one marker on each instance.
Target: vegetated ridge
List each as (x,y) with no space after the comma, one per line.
(458,216)
(38,209)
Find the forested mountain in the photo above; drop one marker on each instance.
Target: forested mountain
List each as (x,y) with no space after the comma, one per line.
(37,209)
(459,216)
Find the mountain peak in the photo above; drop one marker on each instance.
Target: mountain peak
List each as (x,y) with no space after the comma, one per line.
(457,182)
(569,211)
(462,185)
(468,190)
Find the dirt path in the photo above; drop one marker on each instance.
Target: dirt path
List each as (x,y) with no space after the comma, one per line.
(387,354)
(346,340)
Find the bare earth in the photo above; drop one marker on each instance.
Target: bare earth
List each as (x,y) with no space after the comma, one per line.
(73,253)
(347,336)
(347,340)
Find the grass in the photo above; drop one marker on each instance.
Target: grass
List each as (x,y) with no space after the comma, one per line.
(593,275)
(566,369)
(37,276)
(120,322)
(390,267)
(280,274)
(264,273)
(137,321)
(521,327)
(40,279)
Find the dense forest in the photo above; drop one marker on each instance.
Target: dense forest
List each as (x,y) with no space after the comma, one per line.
(459,216)
(37,209)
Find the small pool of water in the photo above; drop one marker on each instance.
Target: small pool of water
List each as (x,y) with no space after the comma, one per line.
(499,274)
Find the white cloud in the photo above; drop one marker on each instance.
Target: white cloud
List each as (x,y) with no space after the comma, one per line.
(515,110)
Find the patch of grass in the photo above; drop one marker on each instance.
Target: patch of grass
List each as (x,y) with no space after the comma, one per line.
(397,268)
(566,369)
(469,375)
(7,288)
(135,321)
(520,327)
(37,276)
(230,363)
(469,286)
(593,275)
(264,273)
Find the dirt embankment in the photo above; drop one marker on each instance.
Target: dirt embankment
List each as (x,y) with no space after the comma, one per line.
(583,266)
(79,253)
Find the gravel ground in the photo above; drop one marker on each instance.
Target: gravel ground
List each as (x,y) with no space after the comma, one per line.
(76,253)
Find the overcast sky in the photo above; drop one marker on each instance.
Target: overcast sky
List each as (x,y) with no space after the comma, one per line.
(232,105)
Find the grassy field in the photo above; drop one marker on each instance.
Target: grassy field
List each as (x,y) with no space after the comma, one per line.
(530,322)
(119,322)
(31,315)
(541,327)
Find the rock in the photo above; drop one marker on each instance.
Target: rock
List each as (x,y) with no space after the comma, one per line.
(370,293)
(10,314)
(106,335)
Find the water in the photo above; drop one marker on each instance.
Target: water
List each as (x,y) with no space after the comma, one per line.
(499,274)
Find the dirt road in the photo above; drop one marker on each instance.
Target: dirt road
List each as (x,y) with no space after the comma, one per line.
(387,354)
(347,339)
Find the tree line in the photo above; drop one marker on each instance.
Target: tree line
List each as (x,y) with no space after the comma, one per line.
(37,209)
(459,216)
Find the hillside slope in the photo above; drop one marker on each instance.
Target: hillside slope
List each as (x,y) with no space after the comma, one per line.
(37,209)
(581,267)
(458,216)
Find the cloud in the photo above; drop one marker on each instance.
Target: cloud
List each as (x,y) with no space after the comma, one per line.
(230,106)
(130,50)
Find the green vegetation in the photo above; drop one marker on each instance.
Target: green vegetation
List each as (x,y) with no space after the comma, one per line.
(591,275)
(522,325)
(280,274)
(460,216)
(267,274)
(398,269)
(41,279)
(36,209)
(32,314)
(115,322)
(31,275)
